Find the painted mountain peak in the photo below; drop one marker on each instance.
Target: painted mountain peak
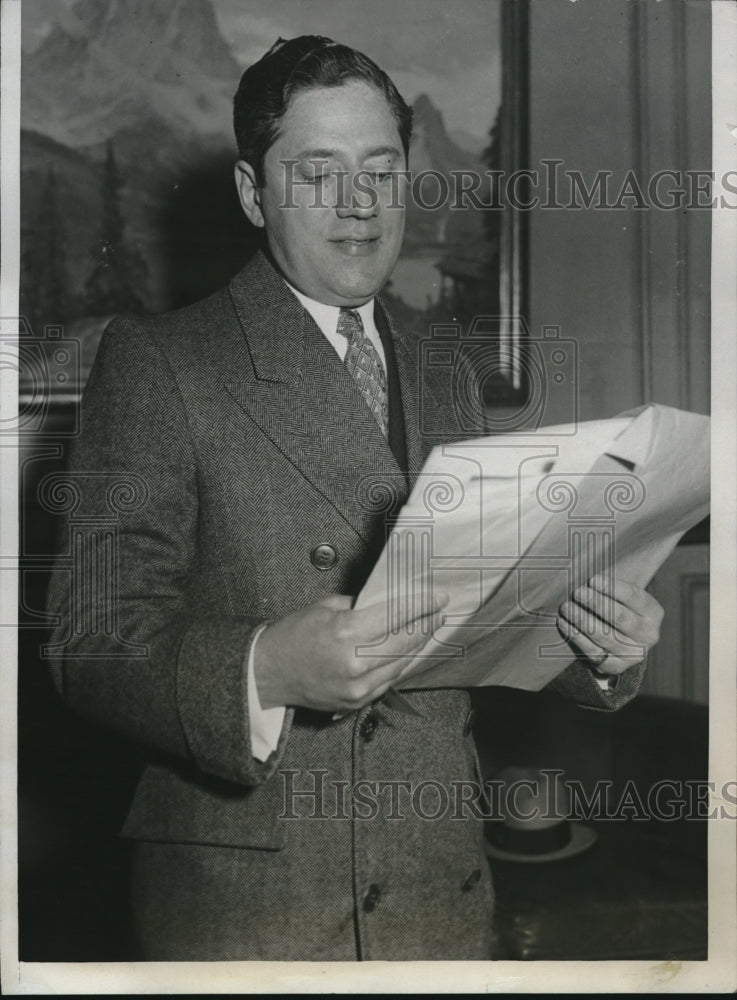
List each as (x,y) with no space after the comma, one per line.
(150,82)
(128,62)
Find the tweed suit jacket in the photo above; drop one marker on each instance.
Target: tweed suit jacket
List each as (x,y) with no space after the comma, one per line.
(245,444)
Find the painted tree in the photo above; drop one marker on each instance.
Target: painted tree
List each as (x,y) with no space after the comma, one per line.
(46,296)
(118,280)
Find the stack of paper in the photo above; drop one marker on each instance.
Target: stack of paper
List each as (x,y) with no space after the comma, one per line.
(508,526)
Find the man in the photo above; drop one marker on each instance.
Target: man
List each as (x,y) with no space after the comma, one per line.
(254,430)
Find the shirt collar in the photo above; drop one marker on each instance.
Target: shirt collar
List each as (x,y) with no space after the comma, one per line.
(326,316)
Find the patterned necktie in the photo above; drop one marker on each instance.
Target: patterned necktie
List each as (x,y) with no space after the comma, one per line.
(363,362)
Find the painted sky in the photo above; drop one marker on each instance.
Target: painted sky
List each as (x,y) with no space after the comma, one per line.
(422,44)
(447,50)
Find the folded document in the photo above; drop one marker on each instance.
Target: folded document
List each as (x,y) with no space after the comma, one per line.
(509,525)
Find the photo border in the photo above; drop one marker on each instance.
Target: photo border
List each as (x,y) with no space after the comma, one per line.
(719,973)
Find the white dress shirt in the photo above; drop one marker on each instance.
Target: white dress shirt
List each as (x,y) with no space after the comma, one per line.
(326,318)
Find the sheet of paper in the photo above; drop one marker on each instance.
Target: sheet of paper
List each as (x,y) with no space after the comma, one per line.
(508,526)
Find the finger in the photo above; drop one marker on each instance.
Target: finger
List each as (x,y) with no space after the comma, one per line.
(610,613)
(380,684)
(421,608)
(585,621)
(593,652)
(380,676)
(604,636)
(584,645)
(635,598)
(373,619)
(393,649)
(602,605)
(337,602)
(409,640)
(628,625)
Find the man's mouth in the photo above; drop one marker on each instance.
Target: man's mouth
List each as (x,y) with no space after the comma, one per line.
(355,239)
(357,245)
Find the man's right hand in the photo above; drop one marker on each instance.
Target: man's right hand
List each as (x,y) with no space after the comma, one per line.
(310,658)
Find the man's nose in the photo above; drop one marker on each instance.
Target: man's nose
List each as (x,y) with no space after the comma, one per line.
(357,197)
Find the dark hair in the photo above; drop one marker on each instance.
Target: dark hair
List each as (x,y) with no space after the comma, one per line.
(267,87)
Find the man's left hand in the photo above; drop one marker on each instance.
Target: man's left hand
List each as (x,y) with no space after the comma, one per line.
(613,625)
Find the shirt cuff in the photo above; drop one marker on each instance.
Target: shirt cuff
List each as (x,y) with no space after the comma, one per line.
(266,723)
(607,683)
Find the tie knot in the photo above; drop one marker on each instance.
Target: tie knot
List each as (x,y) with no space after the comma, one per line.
(350,324)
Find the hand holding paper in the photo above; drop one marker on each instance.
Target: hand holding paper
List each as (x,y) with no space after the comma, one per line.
(604,620)
(512,526)
(308,658)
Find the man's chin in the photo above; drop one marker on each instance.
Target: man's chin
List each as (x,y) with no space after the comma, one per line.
(355,296)
(357,286)
(345,283)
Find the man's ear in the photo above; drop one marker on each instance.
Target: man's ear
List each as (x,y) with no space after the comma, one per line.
(249,192)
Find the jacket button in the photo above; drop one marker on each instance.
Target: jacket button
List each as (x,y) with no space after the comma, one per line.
(371,898)
(369,726)
(323,556)
(471,880)
(468,727)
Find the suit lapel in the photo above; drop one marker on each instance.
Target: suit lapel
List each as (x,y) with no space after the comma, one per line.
(303,398)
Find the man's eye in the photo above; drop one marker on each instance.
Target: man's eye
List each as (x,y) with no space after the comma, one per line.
(317,177)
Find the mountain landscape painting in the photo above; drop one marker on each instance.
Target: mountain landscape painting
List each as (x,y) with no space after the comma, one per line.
(128,205)
(127,151)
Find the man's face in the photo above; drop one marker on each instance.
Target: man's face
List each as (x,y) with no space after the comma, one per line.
(340,243)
